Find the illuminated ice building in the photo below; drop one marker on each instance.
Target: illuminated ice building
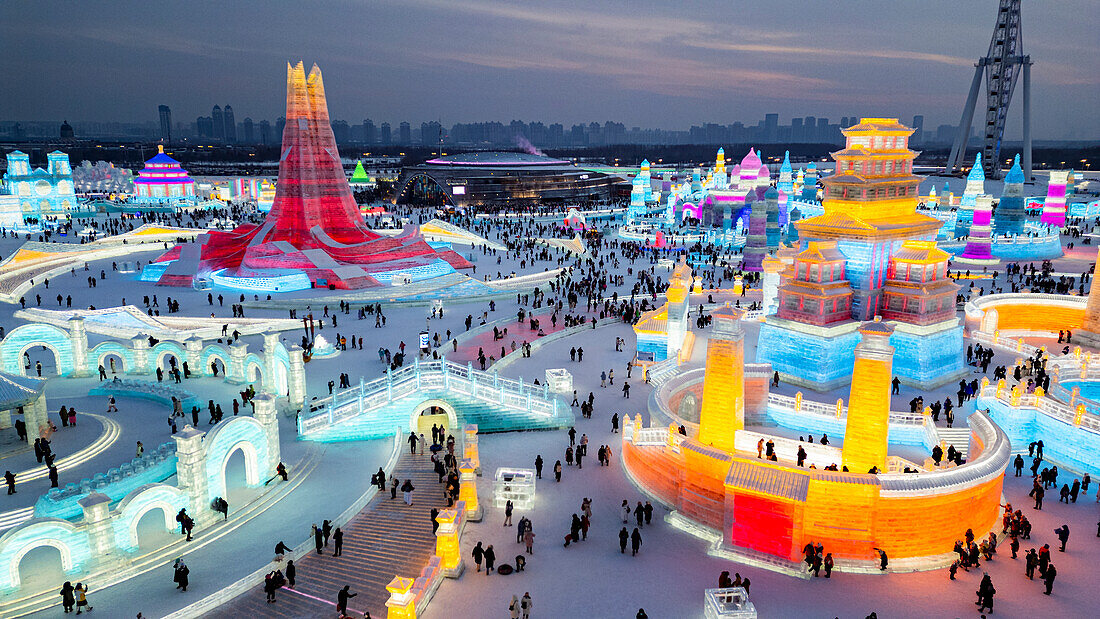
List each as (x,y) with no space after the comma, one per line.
(41,192)
(853,500)
(163,181)
(975,186)
(870,213)
(1010,211)
(314,235)
(662,333)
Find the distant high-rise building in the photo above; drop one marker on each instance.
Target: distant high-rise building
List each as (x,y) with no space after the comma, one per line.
(230,126)
(797,133)
(165,122)
(918,130)
(771,128)
(431,133)
(249,132)
(280,124)
(823,134)
(385,135)
(219,123)
(265,132)
(204,126)
(404,134)
(369,133)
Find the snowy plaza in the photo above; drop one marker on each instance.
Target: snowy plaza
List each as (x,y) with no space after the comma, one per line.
(523,385)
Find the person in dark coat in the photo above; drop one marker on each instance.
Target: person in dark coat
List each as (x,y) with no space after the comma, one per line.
(1048,578)
(318,539)
(280,550)
(623,538)
(985,594)
(479,554)
(1063,536)
(291,572)
(342,601)
(9,479)
(635,542)
(67,598)
(490,559)
(182,572)
(883,560)
(338,542)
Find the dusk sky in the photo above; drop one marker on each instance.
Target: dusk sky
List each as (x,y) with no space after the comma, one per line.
(644,63)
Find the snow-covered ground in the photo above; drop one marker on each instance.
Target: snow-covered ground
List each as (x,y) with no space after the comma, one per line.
(587,579)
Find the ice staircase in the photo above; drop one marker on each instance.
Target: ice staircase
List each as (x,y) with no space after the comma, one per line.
(959,437)
(386,539)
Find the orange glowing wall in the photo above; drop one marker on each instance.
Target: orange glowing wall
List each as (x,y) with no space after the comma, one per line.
(656,470)
(845,513)
(1028,317)
(703,492)
(919,526)
(841,516)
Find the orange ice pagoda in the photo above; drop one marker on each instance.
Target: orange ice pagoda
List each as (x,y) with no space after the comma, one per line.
(871,238)
(871,207)
(314,235)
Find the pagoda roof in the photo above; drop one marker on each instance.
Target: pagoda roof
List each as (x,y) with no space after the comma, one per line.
(924,252)
(877,327)
(820,251)
(1016,174)
(887,125)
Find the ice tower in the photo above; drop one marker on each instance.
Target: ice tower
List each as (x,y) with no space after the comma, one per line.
(723,408)
(314,234)
(1054,207)
(868,422)
(975,186)
(1010,211)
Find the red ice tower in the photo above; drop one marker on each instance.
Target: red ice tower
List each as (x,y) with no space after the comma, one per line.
(314,226)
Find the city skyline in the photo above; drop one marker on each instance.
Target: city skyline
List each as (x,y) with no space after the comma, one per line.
(465,62)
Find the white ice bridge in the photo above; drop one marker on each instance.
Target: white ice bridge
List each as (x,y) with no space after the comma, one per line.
(467,396)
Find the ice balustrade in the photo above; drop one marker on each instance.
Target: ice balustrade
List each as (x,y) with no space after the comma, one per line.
(459,379)
(728,603)
(1046,405)
(153,466)
(983,466)
(809,407)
